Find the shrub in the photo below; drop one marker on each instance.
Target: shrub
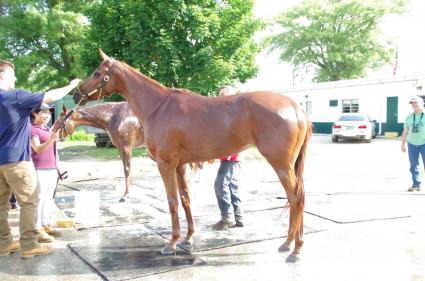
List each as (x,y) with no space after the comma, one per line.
(81,135)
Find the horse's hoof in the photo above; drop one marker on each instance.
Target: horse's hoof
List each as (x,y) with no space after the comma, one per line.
(284,248)
(186,245)
(168,250)
(292,258)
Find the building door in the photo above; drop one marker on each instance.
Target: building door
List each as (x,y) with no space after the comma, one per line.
(392,115)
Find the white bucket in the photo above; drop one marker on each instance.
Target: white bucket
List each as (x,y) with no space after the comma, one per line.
(87,207)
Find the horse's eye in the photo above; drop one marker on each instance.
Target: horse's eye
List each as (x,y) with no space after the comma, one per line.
(96,74)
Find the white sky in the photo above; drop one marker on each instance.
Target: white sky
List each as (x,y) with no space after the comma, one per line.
(406,31)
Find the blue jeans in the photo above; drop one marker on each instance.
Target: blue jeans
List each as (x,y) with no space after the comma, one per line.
(12,199)
(226,189)
(414,152)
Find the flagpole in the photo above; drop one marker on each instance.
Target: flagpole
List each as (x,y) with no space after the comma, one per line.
(395,65)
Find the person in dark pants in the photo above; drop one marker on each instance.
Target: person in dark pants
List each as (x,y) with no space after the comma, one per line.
(226,185)
(13,204)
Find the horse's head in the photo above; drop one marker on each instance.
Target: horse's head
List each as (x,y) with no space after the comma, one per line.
(99,84)
(64,124)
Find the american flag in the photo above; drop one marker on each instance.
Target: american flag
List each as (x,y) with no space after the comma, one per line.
(395,65)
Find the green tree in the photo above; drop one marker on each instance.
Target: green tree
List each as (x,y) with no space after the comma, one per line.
(195,44)
(336,38)
(43,40)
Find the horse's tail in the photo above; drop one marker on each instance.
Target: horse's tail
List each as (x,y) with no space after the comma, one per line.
(299,172)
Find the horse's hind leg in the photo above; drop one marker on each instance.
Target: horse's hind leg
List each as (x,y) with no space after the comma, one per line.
(288,180)
(125,154)
(284,168)
(183,187)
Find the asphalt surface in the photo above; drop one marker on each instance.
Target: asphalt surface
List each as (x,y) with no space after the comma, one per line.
(360,223)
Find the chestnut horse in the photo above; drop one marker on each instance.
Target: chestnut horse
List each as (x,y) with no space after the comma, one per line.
(183,128)
(118,120)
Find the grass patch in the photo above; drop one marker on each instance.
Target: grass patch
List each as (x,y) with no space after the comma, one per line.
(81,135)
(69,150)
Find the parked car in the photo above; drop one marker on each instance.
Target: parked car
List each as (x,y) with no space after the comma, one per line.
(101,136)
(354,126)
(102,140)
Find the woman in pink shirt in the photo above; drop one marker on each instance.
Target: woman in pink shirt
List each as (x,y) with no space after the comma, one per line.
(44,157)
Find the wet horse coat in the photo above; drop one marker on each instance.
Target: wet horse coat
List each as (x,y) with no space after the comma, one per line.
(118,120)
(183,128)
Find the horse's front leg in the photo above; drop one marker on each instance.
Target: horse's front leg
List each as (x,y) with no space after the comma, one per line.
(183,186)
(125,155)
(168,174)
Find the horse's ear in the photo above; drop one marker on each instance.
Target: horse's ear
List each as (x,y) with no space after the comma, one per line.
(64,109)
(103,55)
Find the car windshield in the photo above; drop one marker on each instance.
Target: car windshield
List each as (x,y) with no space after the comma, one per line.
(352,118)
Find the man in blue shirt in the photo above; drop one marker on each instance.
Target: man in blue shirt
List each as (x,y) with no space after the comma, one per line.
(17,173)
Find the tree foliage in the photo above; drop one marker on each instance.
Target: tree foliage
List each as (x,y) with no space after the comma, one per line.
(337,38)
(43,40)
(194,44)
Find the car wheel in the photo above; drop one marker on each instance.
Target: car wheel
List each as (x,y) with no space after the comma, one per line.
(334,139)
(100,144)
(368,140)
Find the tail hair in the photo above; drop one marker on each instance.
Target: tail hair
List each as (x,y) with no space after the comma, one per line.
(299,172)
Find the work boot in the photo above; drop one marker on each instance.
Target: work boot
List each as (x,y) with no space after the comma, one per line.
(40,250)
(239,223)
(14,247)
(43,237)
(413,188)
(222,224)
(51,231)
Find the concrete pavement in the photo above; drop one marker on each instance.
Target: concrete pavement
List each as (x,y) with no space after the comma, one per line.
(360,223)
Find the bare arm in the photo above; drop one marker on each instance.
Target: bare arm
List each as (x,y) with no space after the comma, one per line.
(56,94)
(403,139)
(41,147)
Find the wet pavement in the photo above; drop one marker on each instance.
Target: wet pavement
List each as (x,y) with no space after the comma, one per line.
(360,223)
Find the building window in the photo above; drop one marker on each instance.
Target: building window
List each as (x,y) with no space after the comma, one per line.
(350,106)
(309,107)
(333,103)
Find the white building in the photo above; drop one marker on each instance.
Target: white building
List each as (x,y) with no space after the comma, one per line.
(385,100)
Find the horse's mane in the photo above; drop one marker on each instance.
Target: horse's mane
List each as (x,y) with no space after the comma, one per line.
(136,71)
(173,90)
(102,105)
(183,91)
(100,109)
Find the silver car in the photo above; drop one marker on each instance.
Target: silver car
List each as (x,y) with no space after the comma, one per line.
(354,126)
